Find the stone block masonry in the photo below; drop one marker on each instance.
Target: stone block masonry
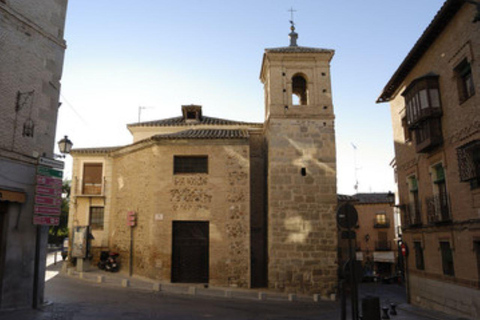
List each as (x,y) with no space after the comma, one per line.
(302,226)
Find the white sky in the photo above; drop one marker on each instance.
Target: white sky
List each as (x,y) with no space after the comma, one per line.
(123,54)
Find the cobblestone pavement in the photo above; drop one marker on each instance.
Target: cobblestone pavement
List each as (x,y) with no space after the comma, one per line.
(73,298)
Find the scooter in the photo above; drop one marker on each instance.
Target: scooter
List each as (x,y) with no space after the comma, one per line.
(108,261)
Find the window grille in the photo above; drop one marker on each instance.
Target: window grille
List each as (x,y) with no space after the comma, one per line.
(96,217)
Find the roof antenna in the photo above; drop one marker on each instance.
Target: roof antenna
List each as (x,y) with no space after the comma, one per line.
(140,111)
(355,166)
(293,35)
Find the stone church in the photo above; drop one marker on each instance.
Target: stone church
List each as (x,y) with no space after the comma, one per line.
(224,202)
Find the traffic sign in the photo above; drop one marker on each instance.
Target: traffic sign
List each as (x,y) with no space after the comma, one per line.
(347,216)
(46,221)
(49,172)
(131,218)
(404,249)
(51,163)
(48,201)
(51,211)
(49,181)
(56,192)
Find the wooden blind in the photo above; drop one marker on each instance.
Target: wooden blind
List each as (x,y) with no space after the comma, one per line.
(92,173)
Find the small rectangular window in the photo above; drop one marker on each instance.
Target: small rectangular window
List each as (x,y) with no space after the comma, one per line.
(419,263)
(447,258)
(190,164)
(96,217)
(466,88)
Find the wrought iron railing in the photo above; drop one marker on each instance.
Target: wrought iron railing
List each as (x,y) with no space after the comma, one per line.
(438,209)
(413,214)
(90,189)
(383,245)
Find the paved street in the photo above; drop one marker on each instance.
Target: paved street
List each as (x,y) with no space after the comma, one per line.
(73,298)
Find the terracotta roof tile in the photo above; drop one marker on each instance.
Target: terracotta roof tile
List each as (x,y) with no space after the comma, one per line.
(204,134)
(95,150)
(180,121)
(297,50)
(364,198)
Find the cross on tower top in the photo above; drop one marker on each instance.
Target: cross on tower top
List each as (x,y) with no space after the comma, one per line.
(291,16)
(293,35)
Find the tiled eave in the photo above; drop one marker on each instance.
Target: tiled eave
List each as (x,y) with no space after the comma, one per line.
(438,24)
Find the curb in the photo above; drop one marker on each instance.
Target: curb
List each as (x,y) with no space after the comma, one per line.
(192,290)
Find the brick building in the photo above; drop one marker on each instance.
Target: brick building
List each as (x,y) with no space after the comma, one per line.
(435,106)
(376,234)
(32,49)
(225,202)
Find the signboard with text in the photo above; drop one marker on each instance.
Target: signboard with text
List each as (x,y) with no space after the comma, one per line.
(49,172)
(48,192)
(46,220)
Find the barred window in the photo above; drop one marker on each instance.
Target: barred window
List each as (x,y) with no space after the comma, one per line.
(96,217)
(190,164)
(468,157)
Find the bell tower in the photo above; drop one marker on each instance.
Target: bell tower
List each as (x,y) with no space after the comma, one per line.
(301,171)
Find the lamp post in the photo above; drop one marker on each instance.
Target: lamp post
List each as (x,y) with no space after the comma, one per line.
(391,197)
(65,145)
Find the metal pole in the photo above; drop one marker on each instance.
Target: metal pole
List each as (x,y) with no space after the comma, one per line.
(407,277)
(36,267)
(130,267)
(353,285)
(343,301)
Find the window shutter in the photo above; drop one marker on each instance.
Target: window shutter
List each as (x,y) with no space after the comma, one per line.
(92,173)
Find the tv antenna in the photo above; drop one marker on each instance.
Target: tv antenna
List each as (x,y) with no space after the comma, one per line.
(140,111)
(355,166)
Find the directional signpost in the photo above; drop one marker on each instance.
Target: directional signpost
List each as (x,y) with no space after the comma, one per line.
(48,192)
(347,218)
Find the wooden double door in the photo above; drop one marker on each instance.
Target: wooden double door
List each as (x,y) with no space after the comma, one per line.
(190,251)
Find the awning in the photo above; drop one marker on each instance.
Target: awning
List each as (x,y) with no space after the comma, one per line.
(387,256)
(12,196)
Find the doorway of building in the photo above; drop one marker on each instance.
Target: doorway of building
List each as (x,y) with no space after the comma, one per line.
(190,246)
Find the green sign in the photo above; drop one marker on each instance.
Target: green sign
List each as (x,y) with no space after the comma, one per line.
(49,172)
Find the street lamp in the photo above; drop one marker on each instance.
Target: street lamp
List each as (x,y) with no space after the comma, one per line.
(390,197)
(65,145)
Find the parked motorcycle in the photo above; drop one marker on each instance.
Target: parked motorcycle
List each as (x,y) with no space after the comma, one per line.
(108,261)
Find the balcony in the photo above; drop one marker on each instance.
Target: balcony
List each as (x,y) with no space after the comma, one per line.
(384,222)
(383,245)
(438,209)
(423,114)
(428,135)
(89,189)
(413,214)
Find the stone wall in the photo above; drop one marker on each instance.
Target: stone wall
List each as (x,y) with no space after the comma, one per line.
(302,237)
(31,38)
(144,182)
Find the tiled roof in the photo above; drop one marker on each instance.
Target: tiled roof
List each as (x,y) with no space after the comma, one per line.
(180,121)
(439,22)
(292,49)
(344,197)
(95,150)
(364,198)
(204,134)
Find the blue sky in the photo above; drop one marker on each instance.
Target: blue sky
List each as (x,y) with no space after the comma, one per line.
(162,54)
